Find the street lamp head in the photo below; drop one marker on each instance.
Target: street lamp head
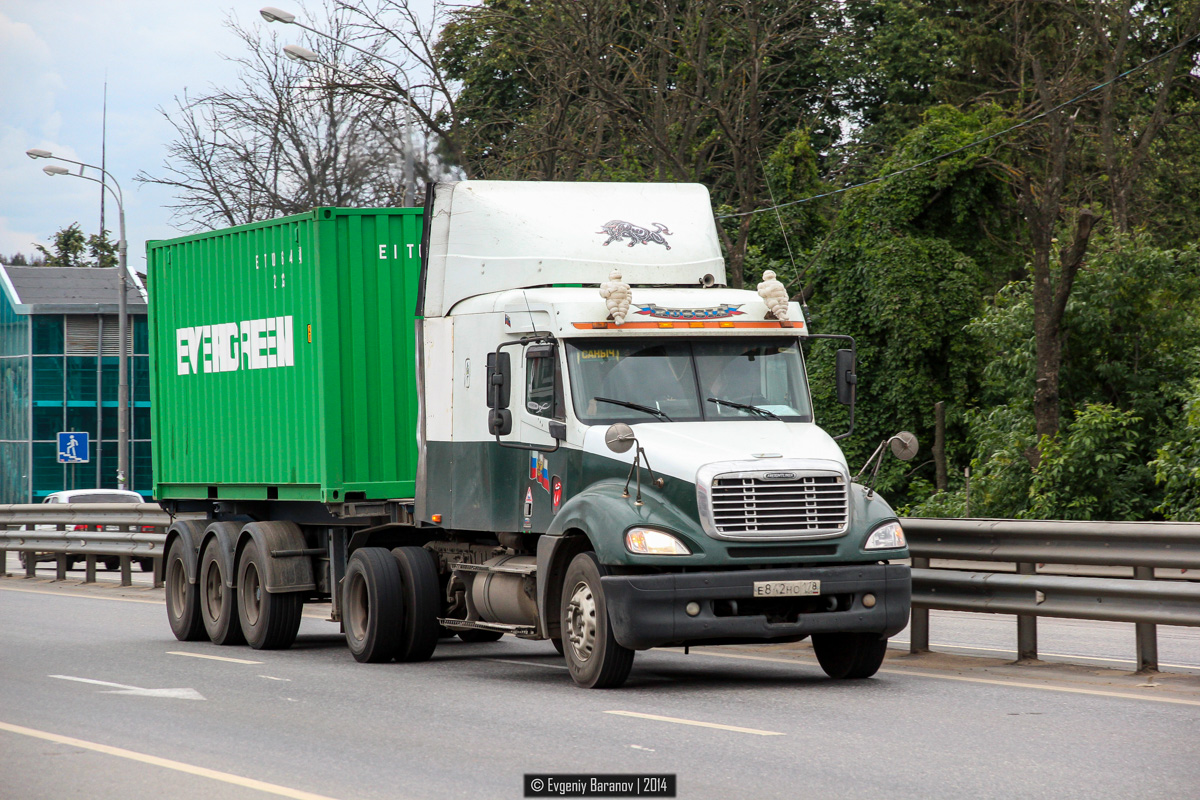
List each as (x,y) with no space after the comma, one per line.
(55,169)
(272,14)
(35,152)
(298,53)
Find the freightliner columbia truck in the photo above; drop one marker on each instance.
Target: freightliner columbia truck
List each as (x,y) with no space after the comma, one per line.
(531,409)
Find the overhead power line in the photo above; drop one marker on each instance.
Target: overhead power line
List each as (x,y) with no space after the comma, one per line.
(977,142)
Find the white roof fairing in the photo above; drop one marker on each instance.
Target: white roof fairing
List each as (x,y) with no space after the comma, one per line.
(489,236)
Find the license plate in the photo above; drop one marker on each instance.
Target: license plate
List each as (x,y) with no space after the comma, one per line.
(786,588)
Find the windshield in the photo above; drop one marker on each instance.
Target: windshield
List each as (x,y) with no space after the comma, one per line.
(673,380)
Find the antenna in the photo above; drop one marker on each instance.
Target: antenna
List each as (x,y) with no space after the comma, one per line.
(778,216)
(532,325)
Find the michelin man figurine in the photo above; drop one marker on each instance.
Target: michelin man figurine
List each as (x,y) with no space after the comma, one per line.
(775,295)
(616,294)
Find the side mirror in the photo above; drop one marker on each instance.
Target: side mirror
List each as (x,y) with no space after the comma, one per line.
(499,379)
(499,385)
(846,379)
(619,437)
(499,422)
(904,445)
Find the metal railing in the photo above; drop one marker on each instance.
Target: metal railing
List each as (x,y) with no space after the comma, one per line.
(114,530)
(1140,547)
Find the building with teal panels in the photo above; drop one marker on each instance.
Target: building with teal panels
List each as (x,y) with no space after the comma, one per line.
(59,361)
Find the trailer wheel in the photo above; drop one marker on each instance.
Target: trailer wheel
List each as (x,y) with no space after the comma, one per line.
(372,605)
(422,600)
(593,656)
(183,598)
(479,635)
(218,603)
(269,620)
(849,655)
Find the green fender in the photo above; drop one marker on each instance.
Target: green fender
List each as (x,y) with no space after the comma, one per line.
(603,514)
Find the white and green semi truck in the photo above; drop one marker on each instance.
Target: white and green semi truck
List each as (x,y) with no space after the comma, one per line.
(548,417)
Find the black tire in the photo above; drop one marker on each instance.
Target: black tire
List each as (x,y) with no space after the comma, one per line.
(851,656)
(111,563)
(593,656)
(145,564)
(372,605)
(218,603)
(558,645)
(475,635)
(269,620)
(183,598)
(422,600)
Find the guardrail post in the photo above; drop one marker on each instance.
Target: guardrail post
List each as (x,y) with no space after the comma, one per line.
(3,562)
(1026,624)
(158,572)
(918,625)
(1146,633)
(30,564)
(89,575)
(60,562)
(126,571)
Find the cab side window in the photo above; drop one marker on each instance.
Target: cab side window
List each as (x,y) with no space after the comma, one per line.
(540,385)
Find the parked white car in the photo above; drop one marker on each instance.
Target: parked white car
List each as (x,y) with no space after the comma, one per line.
(92,496)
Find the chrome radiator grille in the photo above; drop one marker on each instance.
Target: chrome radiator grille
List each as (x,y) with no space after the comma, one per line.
(802,505)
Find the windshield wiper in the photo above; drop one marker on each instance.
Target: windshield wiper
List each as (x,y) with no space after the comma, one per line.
(760,411)
(634,406)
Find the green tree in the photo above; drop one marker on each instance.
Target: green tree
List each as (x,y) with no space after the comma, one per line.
(68,248)
(1177,468)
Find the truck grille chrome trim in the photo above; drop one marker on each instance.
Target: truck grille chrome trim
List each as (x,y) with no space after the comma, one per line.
(738,503)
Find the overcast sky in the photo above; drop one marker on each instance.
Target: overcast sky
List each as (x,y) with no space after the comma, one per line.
(53,58)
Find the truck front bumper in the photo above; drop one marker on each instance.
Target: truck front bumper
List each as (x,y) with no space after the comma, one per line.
(651,610)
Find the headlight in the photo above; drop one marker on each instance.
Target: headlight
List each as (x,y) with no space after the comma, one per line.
(888,536)
(651,542)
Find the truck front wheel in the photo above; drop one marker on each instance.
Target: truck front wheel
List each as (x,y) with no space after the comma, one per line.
(593,656)
(849,655)
(269,620)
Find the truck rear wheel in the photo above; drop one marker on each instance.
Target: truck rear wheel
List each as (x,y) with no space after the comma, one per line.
(372,606)
(269,621)
(849,655)
(593,656)
(183,598)
(422,600)
(218,603)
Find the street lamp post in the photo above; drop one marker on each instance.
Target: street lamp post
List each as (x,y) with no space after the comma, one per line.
(122,315)
(297,53)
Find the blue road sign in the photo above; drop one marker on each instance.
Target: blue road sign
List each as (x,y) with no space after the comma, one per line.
(73,447)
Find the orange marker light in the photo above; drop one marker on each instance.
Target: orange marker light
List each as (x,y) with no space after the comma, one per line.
(437,518)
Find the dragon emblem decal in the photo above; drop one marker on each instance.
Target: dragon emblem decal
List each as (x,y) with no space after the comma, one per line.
(619,230)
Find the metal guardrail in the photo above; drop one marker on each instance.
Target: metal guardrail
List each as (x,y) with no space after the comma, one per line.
(1141,599)
(39,529)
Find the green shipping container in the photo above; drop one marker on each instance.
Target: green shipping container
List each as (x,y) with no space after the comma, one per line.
(283,358)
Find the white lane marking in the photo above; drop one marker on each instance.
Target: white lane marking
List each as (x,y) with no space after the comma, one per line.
(639,747)
(696,723)
(212,658)
(525,663)
(178,766)
(989,681)
(120,688)
(273,678)
(84,596)
(1046,655)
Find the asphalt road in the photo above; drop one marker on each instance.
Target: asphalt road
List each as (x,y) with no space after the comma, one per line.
(98,700)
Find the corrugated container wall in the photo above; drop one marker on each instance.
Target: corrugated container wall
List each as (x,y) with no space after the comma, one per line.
(283,358)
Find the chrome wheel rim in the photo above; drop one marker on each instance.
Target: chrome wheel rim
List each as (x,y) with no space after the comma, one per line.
(580,622)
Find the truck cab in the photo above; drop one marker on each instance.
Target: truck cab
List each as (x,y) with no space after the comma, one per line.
(661,471)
